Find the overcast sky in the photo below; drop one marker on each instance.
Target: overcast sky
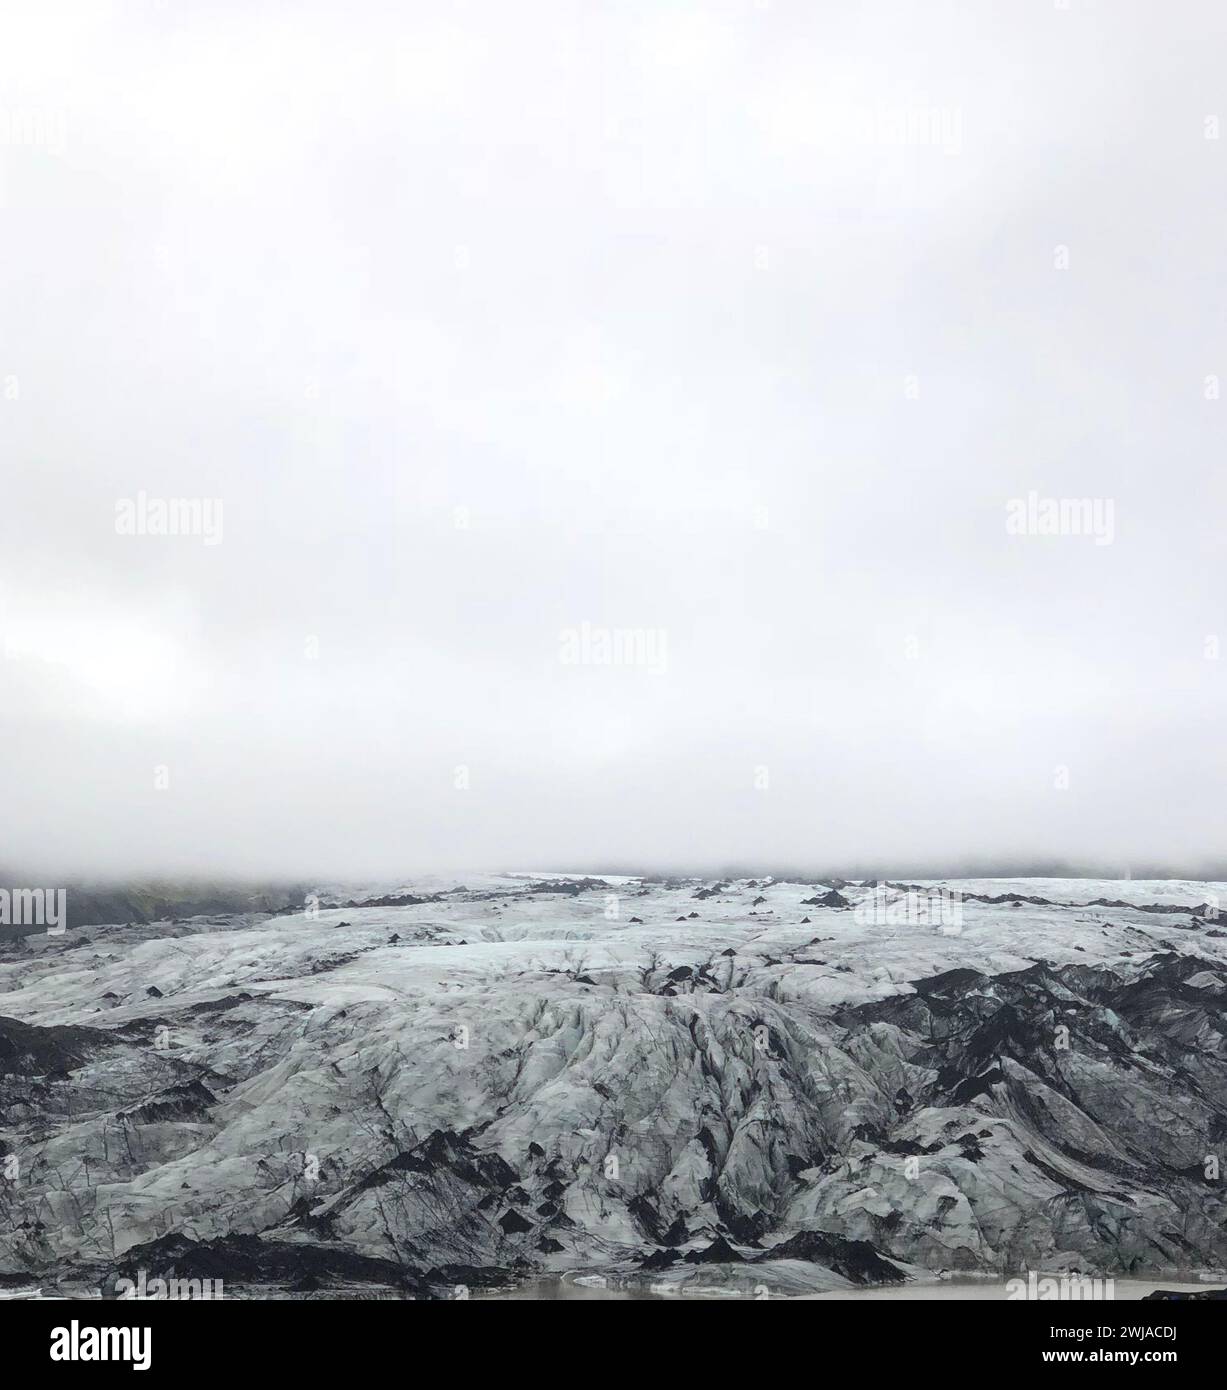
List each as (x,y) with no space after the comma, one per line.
(727,330)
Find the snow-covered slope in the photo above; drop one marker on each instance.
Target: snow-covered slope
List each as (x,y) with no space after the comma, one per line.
(744,1082)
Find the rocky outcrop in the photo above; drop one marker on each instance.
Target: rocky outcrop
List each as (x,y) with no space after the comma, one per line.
(28,1050)
(833,898)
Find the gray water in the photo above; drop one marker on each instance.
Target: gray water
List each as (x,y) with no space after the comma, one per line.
(551,1290)
(944,1291)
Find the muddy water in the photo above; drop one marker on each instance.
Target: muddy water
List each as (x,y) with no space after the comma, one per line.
(983,1290)
(946,1291)
(554,1290)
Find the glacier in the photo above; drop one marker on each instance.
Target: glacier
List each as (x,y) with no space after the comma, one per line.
(747,1086)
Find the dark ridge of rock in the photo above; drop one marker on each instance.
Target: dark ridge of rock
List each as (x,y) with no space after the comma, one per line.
(570,887)
(389,900)
(443,1149)
(677,1234)
(643,1210)
(904,1148)
(190,1100)
(218,1006)
(659,1259)
(250,1259)
(1162,908)
(444,1168)
(513,1223)
(856,1260)
(1015,899)
(26,1049)
(719,1252)
(948,984)
(710,1147)
(747,1228)
(154,992)
(832,899)
(327,963)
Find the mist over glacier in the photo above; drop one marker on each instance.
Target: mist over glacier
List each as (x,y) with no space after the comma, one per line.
(595,437)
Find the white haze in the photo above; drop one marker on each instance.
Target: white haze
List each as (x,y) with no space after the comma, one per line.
(637,290)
